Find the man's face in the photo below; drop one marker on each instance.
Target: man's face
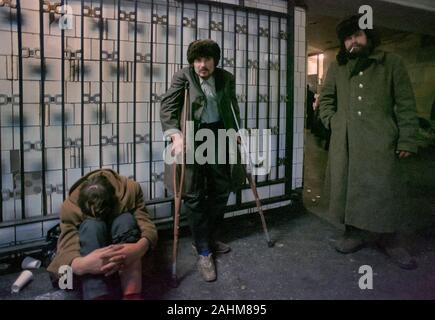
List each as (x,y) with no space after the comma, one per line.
(356,43)
(204,67)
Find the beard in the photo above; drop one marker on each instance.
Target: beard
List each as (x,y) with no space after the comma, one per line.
(359,50)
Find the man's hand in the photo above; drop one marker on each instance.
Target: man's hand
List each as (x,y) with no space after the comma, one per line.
(177,144)
(100,261)
(403,154)
(132,251)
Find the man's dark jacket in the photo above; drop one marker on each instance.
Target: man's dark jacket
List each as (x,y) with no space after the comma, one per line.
(170,115)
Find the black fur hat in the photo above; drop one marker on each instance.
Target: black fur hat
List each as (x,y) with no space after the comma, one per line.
(203,48)
(349,26)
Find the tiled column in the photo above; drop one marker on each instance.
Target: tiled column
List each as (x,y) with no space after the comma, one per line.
(299,96)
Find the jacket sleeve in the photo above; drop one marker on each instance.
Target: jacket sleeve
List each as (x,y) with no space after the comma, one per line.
(68,245)
(328,96)
(171,104)
(405,108)
(147,227)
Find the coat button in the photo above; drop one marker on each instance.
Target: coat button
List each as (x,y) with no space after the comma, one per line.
(359,98)
(361,85)
(359,113)
(361,73)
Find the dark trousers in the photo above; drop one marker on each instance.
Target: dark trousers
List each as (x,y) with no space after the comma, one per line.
(95,234)
(205,210)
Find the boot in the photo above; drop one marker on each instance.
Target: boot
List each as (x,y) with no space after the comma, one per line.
(207,268)
(397,253)
(352,240)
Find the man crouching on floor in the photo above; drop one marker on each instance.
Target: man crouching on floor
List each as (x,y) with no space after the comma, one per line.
(105,231)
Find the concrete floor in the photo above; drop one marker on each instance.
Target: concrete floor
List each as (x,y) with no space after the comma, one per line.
(303,263)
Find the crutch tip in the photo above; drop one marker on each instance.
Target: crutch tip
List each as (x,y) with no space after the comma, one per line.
(270,243)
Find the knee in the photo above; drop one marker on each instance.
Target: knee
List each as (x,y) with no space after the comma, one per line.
(93,227)
(92,234)
(124,229)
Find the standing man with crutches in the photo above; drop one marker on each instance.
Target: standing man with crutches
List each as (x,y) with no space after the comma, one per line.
(206,186)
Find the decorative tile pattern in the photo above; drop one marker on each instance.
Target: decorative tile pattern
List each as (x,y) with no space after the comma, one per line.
(95,107)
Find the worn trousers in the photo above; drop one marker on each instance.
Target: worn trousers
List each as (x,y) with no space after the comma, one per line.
(95,234)
(205,209)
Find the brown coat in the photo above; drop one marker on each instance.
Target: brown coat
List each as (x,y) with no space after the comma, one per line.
(130,197)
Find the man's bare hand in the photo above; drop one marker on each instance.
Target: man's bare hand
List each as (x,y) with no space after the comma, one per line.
(132,251)
(94,262)
(177,144)
(403,154)
(116,264)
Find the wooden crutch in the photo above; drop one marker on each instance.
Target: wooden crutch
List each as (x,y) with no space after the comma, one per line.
(179,191)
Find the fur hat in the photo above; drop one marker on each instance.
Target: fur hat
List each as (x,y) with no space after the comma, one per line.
(348,27)
(203,48)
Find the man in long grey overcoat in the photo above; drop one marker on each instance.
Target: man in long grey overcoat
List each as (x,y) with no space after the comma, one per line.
(368,103)
(212,95)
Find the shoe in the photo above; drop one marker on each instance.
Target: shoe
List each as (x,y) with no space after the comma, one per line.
(348,244)
(217,247)
(220,247)
(207,268)
(401,257)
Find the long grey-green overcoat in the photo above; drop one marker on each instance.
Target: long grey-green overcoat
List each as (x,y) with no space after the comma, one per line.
(371,114)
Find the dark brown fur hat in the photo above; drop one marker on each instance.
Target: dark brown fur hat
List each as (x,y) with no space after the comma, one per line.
(203,48)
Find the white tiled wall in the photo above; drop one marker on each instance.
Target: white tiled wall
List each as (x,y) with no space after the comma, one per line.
(152,186)
(272,5)
(299,96)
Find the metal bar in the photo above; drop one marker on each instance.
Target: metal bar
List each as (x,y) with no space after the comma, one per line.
(279,99)
(42,106)
(100,110)
(196,20)
(258,85)
(209,21)
(167,63)
(246,69)
(290,97)
(182,36)
(239,192)
(118,49)
(1,183)
(20,90)
(235,45)
(151,102)
(134,89)
(268,80)
(62,81)
(82,89)
(222,36)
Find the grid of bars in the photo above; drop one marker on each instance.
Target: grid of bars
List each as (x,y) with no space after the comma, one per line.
(77,99)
